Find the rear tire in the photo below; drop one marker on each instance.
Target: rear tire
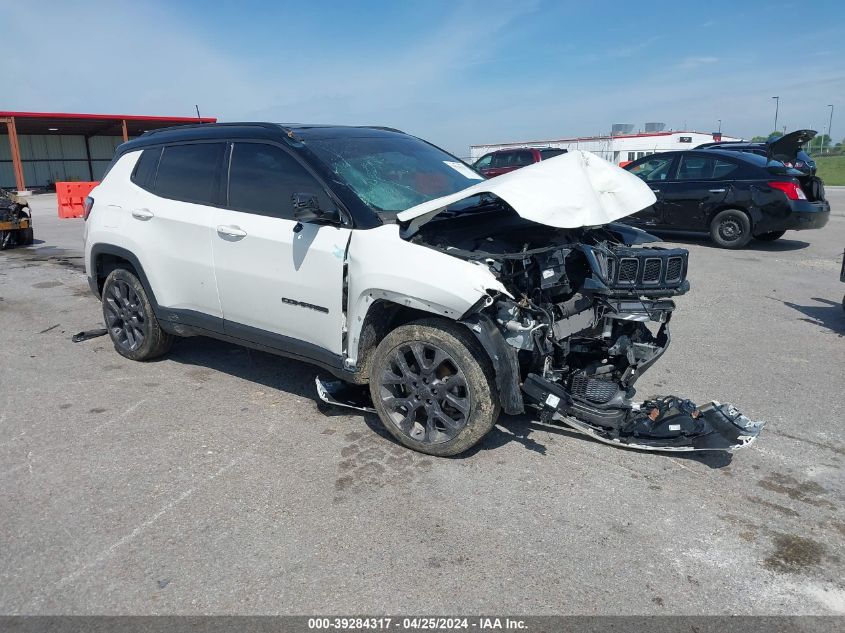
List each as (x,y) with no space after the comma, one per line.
(130,319)
(432,386)
(730,228)
(25,237)
(770,237)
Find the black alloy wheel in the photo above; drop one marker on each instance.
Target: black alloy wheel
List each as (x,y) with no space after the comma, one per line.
(425,393)
(129,318)
(124,316)
(433,387)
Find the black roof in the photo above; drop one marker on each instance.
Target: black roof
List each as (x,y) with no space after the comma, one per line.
(290,133)
(732,144)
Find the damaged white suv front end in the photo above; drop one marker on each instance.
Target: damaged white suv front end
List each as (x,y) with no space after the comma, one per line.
(570,308)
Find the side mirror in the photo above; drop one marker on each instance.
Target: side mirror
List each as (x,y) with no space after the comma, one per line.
(306,208)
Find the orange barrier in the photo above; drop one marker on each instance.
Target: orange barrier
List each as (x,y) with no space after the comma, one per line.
(71,197)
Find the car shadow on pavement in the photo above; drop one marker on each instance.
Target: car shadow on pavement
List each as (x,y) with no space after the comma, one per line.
(829,314)
(274,372)
(297,378)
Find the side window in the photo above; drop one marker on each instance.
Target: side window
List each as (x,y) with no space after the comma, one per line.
(723,169)
(484,162)
(704,168)
(144,173)
(190,172)
(523,158)
(653,169)
(263,179)
(502,159)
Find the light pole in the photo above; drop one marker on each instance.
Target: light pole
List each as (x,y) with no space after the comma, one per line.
(777,104)
(829,123)
(720,125)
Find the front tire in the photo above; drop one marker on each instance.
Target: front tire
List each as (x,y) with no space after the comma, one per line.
(770,237)
(730,228)
(130,319)
(432,386)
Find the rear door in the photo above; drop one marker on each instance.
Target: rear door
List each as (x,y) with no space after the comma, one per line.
(656,172)
(171,208)
(701,182)
(280,282)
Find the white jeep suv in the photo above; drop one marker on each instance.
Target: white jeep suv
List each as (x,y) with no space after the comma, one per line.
(390,263)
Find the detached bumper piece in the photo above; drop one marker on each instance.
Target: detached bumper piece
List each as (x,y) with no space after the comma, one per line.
(343,394)
(666,423)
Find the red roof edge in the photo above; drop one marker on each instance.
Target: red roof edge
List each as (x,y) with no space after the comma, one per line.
(109,117)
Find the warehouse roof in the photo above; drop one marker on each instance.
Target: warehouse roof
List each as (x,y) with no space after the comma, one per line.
(93,124)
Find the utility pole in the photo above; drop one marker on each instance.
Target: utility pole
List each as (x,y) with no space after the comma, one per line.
(829,123)
(777,105)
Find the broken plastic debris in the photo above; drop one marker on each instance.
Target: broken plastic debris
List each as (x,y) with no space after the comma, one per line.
(88,334)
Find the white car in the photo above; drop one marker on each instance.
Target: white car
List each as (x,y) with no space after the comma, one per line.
(390,263)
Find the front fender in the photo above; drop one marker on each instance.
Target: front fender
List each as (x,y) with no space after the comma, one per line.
(383,266)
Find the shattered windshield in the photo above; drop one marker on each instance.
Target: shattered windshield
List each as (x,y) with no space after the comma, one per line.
(391,174)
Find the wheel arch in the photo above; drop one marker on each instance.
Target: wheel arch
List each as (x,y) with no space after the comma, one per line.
(108,257)
(386,314)
(386,311)
(752,212)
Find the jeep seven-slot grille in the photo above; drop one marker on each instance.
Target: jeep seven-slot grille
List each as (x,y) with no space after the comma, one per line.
(647,268)
(674,268)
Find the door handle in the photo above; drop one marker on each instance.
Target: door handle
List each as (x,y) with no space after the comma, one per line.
(231,231)
(143,214)
(717,191)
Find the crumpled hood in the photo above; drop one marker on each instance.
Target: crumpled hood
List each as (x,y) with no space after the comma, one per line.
(568,191)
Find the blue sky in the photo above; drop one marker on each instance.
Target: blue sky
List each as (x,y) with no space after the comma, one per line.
(456,72)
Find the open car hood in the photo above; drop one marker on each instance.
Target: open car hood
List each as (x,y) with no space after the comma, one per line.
(568,191)
(785,148)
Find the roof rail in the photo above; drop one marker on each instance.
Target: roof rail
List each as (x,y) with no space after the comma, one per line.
(271,126)
(381,127)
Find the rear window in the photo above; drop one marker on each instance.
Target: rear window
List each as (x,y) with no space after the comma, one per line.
(144,173)
(190,172)
(549,153)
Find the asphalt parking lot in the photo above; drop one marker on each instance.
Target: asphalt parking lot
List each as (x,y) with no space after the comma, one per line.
(211,482)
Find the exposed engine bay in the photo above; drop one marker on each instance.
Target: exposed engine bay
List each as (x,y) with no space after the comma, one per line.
(589,313)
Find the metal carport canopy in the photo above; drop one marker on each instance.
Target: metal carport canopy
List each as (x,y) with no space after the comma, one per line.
(78,124)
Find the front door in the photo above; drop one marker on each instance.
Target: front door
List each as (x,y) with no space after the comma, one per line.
(655,171)
(280,282)
(701,183)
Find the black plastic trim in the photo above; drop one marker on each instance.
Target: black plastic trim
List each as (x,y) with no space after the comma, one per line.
(504,359)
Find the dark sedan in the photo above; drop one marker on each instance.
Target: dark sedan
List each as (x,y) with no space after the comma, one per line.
(734,196)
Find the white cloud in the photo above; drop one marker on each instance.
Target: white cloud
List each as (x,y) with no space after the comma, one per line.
(688,63)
